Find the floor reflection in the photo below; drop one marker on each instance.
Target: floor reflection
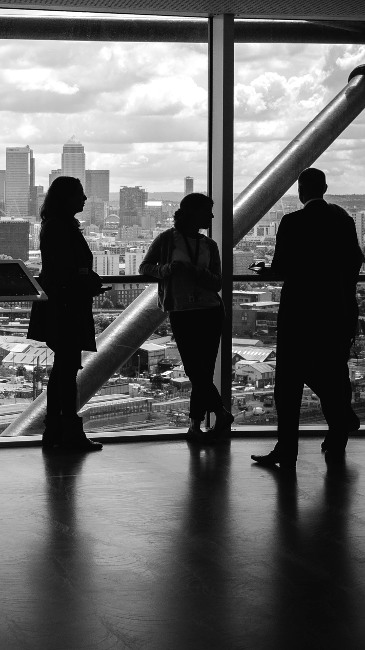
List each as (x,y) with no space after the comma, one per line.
(62,571)
(198,599)
(164,546)
(313,602)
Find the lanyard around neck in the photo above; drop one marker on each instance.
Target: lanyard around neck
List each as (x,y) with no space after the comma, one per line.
(193,257)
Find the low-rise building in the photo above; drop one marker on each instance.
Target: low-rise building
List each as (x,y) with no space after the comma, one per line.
(254,372)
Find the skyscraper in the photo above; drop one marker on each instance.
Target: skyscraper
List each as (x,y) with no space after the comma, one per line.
(105,263)
(132,201)
(133,259)
(55,173)
(18,178)
(188,185)
(2,190)
(14,238)
(32,206)
(97,184)
(152,214)
(94,212)
(73,160)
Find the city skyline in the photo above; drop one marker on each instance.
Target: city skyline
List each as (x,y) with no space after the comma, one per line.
(142,113)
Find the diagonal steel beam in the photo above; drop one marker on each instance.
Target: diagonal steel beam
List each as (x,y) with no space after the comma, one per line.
(127,333)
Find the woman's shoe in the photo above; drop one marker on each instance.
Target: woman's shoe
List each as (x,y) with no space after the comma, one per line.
(222,426)
(52,434)
(74,437)
(194,432)
(334,440)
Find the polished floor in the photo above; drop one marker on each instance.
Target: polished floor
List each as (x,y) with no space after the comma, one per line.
(158,546)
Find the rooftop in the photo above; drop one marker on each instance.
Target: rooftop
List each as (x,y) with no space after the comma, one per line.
(261,366)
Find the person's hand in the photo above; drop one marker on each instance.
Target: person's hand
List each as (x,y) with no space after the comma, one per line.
(178,267)
(90,283)
(258,267)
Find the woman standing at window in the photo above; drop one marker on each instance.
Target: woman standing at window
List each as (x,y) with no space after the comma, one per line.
(65,320)
(187,265)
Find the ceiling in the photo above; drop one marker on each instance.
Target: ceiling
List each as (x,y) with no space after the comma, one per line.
(338,10)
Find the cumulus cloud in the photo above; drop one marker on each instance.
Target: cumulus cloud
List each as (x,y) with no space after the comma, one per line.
(339,61)
(272,95)
(140,109)
(272,106)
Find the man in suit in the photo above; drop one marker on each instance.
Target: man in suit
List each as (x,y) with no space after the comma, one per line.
(318,256)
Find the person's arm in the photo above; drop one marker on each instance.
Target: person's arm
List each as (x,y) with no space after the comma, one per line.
(211,278)
(280,264)
(59,265)
(65,272)
(152,265)
(353,255)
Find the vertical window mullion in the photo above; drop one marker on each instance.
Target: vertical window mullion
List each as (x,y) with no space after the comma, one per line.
(220,175)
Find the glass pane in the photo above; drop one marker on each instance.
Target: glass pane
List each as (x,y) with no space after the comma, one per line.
(150,390)
(136,132)
(254,351)
(279,89)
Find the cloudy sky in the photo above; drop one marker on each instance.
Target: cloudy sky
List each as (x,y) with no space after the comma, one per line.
(140,110)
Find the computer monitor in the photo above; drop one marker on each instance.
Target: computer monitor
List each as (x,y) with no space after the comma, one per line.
(17,283)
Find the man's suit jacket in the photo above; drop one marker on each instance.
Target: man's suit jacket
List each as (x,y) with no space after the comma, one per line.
(318,256)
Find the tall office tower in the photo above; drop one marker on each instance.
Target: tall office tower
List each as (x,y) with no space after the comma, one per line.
(32,210)
(55,173)
(19,174)
(2,191)
(188,185)
(97,184)
(152,215)
(73,160)
(40,195)
(35,229)
(133,259)
(14,238)
(95,211)
(358,217)
(132,201)
(105,263)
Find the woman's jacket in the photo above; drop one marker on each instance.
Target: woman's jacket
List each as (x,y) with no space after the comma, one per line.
(65,319)
(157,264)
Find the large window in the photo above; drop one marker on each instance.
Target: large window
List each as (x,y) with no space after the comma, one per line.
(130,120)
(279,89)
(134,115)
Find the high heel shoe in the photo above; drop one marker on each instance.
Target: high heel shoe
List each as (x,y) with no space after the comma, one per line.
(221,430)
(74,437)
(223,421)
(194,433)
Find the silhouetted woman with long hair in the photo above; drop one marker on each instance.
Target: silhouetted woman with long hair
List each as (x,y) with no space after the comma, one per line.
(65,320)
(188,267)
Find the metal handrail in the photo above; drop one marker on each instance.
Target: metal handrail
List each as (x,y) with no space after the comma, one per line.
(245,277)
